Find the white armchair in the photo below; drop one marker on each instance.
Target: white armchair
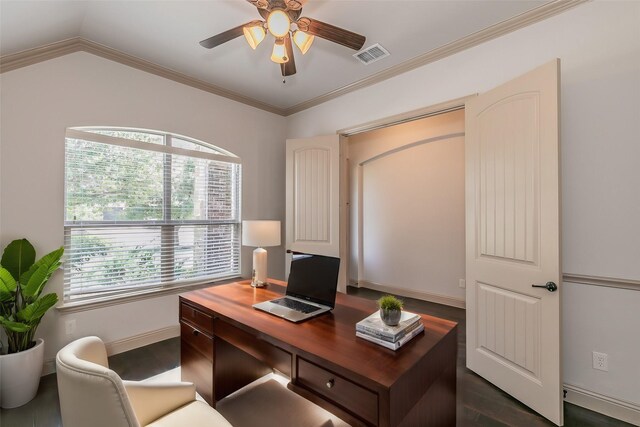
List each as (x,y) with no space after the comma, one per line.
(91,394)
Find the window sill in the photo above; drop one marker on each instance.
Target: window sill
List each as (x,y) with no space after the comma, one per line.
(73,307)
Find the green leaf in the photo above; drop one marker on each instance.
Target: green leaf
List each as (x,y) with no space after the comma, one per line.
(34,311)
(7,285)
(14,326)
(18,257)
(36,282)
(51,260)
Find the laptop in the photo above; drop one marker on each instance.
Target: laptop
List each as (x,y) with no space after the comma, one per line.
(311,289)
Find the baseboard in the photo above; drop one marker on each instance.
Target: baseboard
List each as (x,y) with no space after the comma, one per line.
(140,340)
(48,367)
(126,344)
(621,410)
(426,296)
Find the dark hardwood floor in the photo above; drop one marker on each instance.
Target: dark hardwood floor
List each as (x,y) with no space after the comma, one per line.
(479,403)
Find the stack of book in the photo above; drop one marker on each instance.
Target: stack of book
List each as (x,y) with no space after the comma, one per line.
(375,330)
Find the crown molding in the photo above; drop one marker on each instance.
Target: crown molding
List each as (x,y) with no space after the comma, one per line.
(517,22)
(77,44)
(39,54)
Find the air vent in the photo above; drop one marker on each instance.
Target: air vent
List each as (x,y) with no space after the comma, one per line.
(371,54)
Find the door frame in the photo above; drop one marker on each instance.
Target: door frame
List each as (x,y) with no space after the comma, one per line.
(410,116)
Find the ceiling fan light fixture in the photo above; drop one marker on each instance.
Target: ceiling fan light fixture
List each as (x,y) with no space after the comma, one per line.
(254,33)
(303,40)
(278,19)
(278,23)
(279,54)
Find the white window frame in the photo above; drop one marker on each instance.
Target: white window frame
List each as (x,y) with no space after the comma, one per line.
(168,284)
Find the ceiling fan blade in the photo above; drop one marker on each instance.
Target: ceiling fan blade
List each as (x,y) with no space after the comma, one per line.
(223,37)
(289,67)
(331,33)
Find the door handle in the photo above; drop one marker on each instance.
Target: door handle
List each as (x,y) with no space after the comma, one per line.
(550,286)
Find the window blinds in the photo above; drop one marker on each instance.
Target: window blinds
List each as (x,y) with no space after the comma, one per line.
(141,216)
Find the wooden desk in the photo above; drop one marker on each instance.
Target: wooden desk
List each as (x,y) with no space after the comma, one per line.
(226,344)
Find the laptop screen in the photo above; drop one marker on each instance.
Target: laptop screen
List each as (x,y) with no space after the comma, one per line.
(314,278)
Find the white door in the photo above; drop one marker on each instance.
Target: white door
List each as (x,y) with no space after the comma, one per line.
(315,193)
(513,239)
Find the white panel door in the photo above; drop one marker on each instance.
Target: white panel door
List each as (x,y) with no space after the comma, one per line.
(315,211)
(513,239)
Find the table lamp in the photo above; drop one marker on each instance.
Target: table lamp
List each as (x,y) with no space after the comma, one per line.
(260,234)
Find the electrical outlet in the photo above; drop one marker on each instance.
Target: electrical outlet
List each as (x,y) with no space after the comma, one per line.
(462,283)
(70,326)
(600,361)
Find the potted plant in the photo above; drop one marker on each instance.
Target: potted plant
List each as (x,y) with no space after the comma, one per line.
(390,309)
(22,280)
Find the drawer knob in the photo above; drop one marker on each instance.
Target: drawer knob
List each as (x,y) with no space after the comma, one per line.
(331,383)
(196,333)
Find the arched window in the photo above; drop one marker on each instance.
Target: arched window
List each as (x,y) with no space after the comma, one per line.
(147,210)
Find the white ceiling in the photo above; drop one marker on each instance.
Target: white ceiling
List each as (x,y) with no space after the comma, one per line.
(167,33)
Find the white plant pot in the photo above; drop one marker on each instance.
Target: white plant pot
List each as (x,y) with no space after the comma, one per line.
(20,375)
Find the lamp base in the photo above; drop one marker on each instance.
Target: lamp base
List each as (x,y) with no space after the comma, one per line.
(256,284)
(259,276)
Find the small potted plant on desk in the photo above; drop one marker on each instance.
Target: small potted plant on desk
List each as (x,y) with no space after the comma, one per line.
(390,309)
(22,280)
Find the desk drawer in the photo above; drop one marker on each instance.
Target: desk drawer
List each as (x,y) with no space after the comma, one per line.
(261,350)
(196,340)
(197,318)
(196,360)
(335,388)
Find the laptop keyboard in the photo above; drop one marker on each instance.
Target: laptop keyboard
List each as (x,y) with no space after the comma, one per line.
(296,305)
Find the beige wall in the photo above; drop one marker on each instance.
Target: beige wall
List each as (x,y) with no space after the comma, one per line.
(599,47)
(40,101)
(407,187)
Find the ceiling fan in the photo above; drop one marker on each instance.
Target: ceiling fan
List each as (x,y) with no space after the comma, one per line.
(279,15)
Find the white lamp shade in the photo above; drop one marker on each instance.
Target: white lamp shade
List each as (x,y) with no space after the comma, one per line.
(279,54)
(254,33)
(302,40)
(261,233)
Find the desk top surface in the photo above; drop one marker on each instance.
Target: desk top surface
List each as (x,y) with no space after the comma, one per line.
(329,337)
